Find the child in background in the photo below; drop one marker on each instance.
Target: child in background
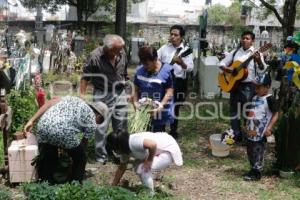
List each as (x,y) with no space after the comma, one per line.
(260,119)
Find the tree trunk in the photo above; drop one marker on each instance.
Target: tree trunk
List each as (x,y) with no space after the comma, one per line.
(80,8)
(120,25)
(289,16)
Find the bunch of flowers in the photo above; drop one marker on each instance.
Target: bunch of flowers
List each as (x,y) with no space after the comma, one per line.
(139,121)
(227,137)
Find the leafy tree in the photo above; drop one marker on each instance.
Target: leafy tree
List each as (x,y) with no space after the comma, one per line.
(227,16)
(285,15)
(217,14)
(85,8)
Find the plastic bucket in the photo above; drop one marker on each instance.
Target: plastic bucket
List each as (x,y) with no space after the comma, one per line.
(218,149)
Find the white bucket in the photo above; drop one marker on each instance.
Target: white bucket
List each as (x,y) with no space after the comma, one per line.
(218,149)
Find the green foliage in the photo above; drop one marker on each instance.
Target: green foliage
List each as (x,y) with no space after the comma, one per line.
(230,16)
(23,106)
(216,14)
(75,191)
(90,152)
(139,120)
(287,140)
(5,194)
(51,77)
(85,8)
(39,191)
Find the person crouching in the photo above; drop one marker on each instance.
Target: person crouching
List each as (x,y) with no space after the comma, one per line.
(153,152)
(60,123)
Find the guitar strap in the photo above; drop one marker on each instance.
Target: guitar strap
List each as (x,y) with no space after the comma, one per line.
(231,63)
(234,55)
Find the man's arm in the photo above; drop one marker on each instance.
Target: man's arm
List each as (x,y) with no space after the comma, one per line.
(227,60)
(189,63)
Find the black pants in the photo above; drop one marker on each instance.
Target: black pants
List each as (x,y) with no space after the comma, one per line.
(255,152)
(156,128)
(238,98)
(180,89)
(48,162)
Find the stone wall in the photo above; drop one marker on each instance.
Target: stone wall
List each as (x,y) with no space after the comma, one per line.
(216,35)
(157,34)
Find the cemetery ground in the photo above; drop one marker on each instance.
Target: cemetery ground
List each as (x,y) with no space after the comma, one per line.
(202,176)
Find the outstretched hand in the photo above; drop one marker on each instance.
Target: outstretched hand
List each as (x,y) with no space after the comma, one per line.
(28,128)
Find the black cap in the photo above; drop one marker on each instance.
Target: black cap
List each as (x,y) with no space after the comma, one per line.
(263,79)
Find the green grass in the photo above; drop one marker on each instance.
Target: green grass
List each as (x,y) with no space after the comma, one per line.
(230,170)
(194,135)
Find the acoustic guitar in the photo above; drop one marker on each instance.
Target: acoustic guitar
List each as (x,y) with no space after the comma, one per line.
(230,78)
(185,53)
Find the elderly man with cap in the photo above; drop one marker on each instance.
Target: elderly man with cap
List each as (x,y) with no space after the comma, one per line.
(61,121)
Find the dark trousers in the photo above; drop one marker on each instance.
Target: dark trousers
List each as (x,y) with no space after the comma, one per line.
(238,98)
(156,128)
(255,152)
(48,162)
(180,89)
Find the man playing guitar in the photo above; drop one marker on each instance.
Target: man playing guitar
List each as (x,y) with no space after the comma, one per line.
(245,90)
(172,53)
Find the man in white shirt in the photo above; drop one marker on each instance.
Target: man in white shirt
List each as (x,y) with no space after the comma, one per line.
(170,53)
(245,89)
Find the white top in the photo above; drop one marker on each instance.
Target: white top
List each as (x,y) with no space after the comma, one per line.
(242,55)
(164,143)
(166,53)
(259,116)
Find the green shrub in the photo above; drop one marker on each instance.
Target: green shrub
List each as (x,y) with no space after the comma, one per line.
(39,191)
(51,77)
(75,191)
(287,140)
(23,106)
(5,194)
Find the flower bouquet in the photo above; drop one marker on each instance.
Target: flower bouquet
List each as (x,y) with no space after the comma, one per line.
(227,137)
(139,121)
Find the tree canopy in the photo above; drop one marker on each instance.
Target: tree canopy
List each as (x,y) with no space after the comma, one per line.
(227,16)
(286,15)
(85,8)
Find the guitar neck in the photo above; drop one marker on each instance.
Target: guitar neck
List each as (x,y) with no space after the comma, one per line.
(260,50)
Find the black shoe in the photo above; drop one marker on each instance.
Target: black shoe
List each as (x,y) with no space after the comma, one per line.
(252,176)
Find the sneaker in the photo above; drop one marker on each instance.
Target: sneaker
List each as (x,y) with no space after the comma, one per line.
(252,176)
(101,160)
